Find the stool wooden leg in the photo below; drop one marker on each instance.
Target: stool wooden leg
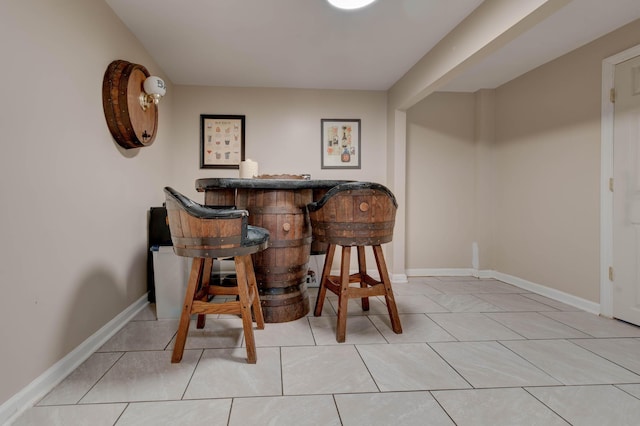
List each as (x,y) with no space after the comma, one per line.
(362,269)
(253,290)
(245,307)
(185,317)
(326,271)
(391,302)
(206,278)
(343,297)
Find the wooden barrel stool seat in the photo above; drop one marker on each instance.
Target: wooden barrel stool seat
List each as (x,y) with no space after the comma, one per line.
(349,215)
(205,234)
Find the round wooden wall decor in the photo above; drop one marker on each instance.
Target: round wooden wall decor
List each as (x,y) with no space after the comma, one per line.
(130,125)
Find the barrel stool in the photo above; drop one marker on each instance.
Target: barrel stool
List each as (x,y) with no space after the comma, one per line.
(205,234)
(357,214)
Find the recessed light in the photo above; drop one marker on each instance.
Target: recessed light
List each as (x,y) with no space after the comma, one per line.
(350,4)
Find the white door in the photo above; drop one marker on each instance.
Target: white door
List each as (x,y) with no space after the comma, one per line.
(626,195)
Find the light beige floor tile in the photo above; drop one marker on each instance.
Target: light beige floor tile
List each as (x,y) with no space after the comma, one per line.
(417,304)
(470,326)
(324,369)
(144,376)
(217,333)
(409,366)
(415,328)
(375,381)
(532,325)
(464,303)
(571,364)
(66,415)
(427,280)
(515,302)
(212,412)
(624,352)
(631,389)
(454,287)
(595,325)
(360,329)
(327,308)
(496,407)
(473,285)
(148,313)
(292,333)
(550,302)
(225,373)
(80,381)
(461,278)
(142,336)
(414,287)
(391,408)
(494,286)
(314,410)
(354,306)
(489,364)
(420,279)
(591,405)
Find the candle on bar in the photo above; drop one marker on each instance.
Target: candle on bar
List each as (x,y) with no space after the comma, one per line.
(248,168)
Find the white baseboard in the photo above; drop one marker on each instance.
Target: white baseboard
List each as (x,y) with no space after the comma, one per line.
(442,272)
(399,278)
(560,296)
(44,383)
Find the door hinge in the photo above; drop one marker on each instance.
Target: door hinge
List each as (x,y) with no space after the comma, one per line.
(611,184)
(612,96)
(610,273)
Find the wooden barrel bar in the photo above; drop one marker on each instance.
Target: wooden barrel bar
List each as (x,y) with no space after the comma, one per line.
(281,270)
(220,198)
(279,204)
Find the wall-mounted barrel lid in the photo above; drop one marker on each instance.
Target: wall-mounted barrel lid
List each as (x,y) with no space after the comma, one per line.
(130,124)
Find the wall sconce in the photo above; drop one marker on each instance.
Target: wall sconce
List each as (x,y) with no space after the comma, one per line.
(130,96)
(154,89)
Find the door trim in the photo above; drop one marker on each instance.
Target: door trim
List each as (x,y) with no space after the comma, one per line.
(606,172)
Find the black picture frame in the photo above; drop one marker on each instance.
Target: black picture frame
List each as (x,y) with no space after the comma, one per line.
(222,141)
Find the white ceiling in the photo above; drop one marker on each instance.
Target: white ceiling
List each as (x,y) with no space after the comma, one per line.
(310,44)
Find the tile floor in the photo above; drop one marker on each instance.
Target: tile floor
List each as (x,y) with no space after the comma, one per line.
(473,352)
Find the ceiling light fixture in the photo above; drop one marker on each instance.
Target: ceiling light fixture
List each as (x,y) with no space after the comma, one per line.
(350,4)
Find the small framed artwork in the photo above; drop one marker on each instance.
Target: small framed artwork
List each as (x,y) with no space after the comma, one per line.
(221,141)
(340,140)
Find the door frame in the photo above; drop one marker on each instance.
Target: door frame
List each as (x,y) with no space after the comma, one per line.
(606,173)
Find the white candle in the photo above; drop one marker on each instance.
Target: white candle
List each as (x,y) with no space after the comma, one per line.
(248,168)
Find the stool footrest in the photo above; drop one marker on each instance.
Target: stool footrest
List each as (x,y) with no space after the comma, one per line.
(199,307)
(368,287)
(374,288)
(197,302)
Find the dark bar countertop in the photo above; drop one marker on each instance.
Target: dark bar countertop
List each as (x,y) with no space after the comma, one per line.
(205,184)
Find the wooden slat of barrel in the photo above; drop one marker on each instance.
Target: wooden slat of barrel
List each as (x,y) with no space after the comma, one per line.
(318,247)
(220,197)
(193,237)
(281,270)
